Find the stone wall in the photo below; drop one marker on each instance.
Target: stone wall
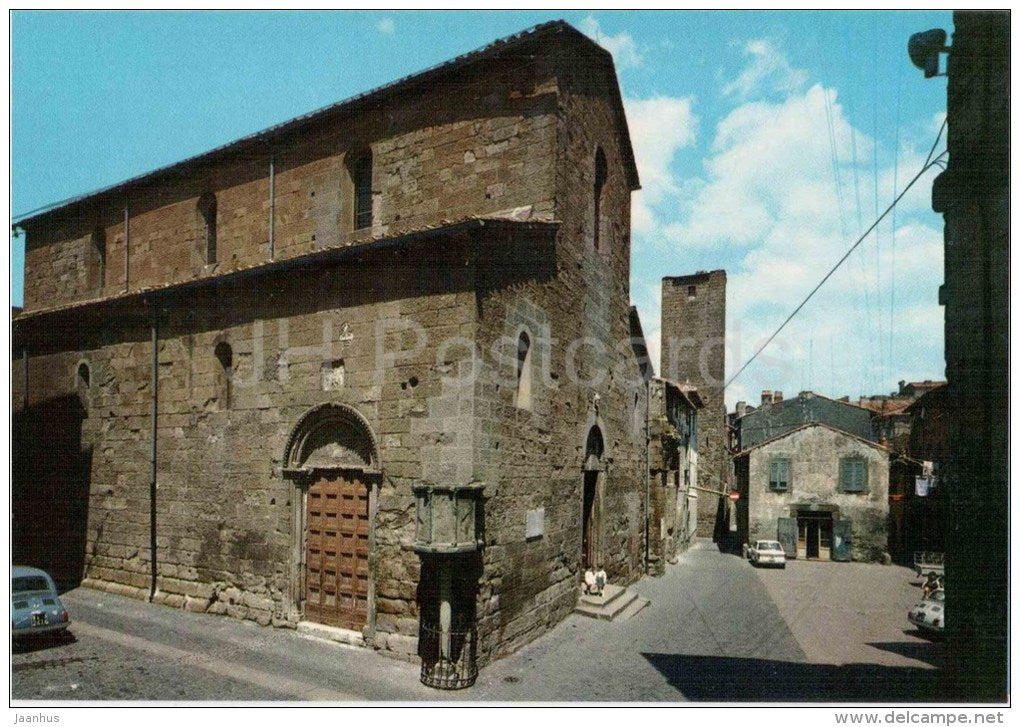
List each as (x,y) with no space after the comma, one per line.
(532,459)
(694,351)
(672,463)
(814,454)
(973,194)
(225,512)
(407,335)
(475,144)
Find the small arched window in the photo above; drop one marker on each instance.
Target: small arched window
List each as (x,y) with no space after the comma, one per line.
(523,399)
(99,254)
(600,183)
(361,179)
(207,209)
(595,445)
(224,379)
(84,376)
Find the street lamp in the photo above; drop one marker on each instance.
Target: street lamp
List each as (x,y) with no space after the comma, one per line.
(924,49)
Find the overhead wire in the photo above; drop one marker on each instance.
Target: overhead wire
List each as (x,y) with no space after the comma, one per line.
(892,257)
(837,180)
(884,366)
(938,136)
(862,266)
(890,208)
(834,159)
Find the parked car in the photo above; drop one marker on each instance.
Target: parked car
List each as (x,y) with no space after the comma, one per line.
(35,606)
(929,613)
(767,552)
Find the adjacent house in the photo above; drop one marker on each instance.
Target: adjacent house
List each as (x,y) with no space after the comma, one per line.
(327,374)
(923,502)
(673,470)
(821,492)
(811,475)
(892,422)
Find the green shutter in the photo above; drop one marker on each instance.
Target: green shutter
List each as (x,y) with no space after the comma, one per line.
(779,475)
(853,475)
(842,539)
(786,534)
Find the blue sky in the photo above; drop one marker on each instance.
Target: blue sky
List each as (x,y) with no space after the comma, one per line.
(766,141)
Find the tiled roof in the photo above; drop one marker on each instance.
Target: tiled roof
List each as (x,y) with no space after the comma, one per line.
(787,433)
(771,420)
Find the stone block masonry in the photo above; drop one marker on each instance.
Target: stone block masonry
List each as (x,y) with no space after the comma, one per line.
(301,399)
(973,194)
(694,351)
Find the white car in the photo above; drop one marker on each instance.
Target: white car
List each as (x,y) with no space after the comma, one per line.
(929,613)
(767,552)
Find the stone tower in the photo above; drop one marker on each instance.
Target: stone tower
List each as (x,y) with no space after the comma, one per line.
(694,351)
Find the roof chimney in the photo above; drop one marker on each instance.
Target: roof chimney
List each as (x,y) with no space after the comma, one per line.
(741,408)
(766,397)
(777,397)
(902,384)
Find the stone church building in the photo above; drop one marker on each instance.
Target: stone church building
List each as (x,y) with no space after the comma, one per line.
(254,381)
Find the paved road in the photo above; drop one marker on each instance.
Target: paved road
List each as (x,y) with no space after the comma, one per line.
(716,630)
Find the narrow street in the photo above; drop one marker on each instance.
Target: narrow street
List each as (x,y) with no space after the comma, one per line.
(716,630)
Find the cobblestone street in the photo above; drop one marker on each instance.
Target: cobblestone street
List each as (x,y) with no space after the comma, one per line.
(716,630)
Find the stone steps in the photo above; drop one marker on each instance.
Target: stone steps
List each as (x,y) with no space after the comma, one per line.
(615,604)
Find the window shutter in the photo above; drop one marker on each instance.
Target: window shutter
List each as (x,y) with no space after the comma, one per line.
(786,534)
(779,475)
(842,539)
(853,475)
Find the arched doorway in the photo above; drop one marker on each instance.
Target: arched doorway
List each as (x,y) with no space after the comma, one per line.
(591,499)
(333,459)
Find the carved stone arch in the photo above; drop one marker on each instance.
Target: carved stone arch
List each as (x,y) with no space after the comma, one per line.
(82,373)
(329,437)
(84,378)
(592,435)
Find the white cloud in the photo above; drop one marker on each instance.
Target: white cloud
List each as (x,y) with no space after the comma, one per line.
(621,46)
(777,206)
(659,128)
(768,70)
(386,26)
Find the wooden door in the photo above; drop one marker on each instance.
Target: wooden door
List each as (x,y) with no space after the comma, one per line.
(336,551)
(589,525)
(802,538)
(812,538)
(842,534)
(825,539)
(788,536)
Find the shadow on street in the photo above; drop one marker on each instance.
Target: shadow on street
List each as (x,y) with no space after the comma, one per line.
(40,642)
(931,653)
(729,679)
